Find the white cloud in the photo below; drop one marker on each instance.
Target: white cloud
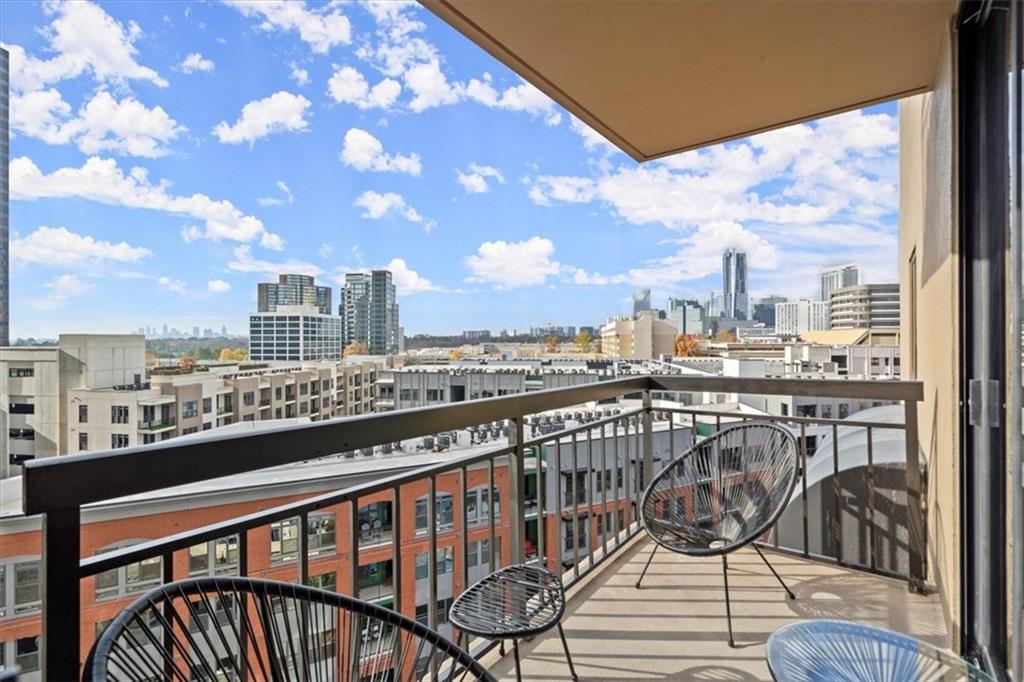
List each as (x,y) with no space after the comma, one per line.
(364,152)
(274,242)
(101,180)
(280,112)
(592,139)
(523,97)
(474,181)
(126,127)
(378,205)
(83,39)
(840,168)
(244,262)
(349,86)
(196,62)
(298,74)
(508,265)
(59,246)
(325,250)
(175,285)
(321,28)
(275,201)
(191,233)
(408,281)
(61,290)
(218,286)
(397,47)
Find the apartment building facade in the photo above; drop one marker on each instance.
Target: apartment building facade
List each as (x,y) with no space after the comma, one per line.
(35,383)
(178,404)
(292,290)
(866,306)
(294,334)
(793,318)
(838,277)
(369,310)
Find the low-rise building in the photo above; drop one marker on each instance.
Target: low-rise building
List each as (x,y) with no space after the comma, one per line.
(866,306)
(643,336)
(793,318)
(294,334)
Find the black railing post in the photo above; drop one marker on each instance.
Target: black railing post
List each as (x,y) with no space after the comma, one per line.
(60,594)
(915,509)
(648,444)
(517,490)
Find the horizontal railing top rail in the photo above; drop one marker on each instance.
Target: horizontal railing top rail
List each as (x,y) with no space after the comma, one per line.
(164,465)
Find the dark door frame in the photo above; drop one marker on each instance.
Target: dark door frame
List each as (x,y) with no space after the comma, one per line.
(984,40)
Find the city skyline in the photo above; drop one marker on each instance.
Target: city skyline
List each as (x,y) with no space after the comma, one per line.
(371,136)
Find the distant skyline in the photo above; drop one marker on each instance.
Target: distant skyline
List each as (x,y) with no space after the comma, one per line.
(167,157)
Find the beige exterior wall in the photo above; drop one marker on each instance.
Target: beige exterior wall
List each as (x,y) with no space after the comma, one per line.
(929,316)
(644,337)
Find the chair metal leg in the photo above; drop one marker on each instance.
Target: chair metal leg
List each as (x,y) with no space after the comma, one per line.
(646,566)
(568,656)
(774,572)
(515,651)
(728,608)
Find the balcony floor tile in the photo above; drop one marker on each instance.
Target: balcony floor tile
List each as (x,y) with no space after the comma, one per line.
(674,628)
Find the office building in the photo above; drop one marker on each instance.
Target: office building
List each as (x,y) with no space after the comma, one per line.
(715,306)
(291,290)
(838,277)
(686,314)
(734,284)
(641,300)
(764,310)
(293,334)
(793,318)
(865,306)
(5,197)
(369,311)
(35,382)
(642,336)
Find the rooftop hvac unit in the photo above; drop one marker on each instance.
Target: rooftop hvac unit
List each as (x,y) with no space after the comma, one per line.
(348,454)
(443,441)
(495,433)
(428,443)
(386,449)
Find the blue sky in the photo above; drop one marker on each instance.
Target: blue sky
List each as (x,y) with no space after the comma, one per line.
(166,157)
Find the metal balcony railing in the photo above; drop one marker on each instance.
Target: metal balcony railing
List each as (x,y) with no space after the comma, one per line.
(620,447)
(157,423)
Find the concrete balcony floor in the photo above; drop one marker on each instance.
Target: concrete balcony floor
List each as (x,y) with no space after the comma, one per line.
(674,628)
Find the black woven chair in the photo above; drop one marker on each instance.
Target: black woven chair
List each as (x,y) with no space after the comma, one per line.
(722,494)
(235,628)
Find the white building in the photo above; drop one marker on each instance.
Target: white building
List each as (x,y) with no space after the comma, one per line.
(35,382)
(294,334)
(643,336)
(838,277)
(797,317)
(866,306)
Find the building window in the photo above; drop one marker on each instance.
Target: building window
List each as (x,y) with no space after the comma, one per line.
(83,441)
(478,505)
(479,553)
(284,537)
(444,513)
(324,581)
(20,372)
(118,440)
(118,414)
(189,409)
(445,562)
(83,414)
(844,410)
(216,557)
(19,586)
(190,429)
(26,654)
(22,408)
(277,393)
(443,606)
(249,398)
(303,389)
(207,405)
(826,411)
(127,580)
(321,534)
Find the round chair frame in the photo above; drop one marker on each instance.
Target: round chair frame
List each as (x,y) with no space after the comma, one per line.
(447,660)
(749,535)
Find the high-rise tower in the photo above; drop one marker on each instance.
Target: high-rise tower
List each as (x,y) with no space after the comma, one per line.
(734,284)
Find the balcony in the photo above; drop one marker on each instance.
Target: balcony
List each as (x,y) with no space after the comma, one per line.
(157,424)
(847,554)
